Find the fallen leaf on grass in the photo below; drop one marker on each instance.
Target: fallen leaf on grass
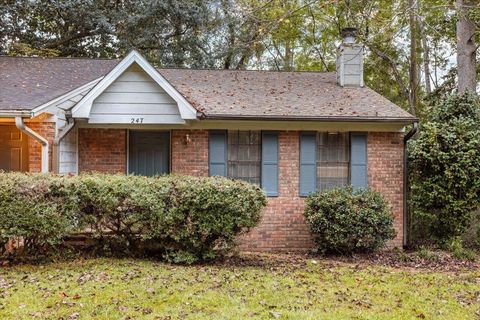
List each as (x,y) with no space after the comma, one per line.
(147,310)
(151,290)
(74,316)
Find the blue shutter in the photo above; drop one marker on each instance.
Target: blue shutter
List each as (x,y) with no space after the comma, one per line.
(308,163)
(217,153)
(270,163)
(358,160)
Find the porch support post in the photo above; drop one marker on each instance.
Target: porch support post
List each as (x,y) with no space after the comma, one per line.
(59,135)
(44,142)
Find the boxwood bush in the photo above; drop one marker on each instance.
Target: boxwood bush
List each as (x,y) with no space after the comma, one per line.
(203,216)
(346,221)
(116,209)
(184,219)
(37,209)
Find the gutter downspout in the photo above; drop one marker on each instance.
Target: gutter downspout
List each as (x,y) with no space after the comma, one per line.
(44,142)
(56,142)
(407,137)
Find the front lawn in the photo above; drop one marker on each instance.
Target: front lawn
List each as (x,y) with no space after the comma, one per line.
(301,289)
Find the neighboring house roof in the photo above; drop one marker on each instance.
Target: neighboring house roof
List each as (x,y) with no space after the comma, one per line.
(26,83)
(29,82)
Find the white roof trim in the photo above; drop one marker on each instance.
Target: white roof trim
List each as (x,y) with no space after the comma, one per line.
(58,100)
(83,107)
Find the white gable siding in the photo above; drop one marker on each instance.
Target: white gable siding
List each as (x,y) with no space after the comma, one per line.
(68,154)
(135,98)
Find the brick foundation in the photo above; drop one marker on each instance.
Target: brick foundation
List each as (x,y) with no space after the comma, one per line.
(103,150)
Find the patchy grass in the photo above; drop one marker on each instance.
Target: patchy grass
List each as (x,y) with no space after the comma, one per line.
(300,289)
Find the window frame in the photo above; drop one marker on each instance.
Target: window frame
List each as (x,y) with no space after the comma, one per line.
(316,133)
(262,183)
(347,163)
(260,145)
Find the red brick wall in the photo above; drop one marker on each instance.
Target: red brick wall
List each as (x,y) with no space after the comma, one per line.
(385,173)
(190,152)
(102,150)
(283,227)
(46,130)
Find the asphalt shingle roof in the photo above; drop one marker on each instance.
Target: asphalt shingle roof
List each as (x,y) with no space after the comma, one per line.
(29,82)
(278,95)
(26,83)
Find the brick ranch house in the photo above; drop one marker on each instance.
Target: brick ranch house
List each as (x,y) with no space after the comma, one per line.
(289,132)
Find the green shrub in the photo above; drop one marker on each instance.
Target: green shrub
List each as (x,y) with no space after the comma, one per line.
(444,169)
(203,216)
(343,221)
(38,208)
(428,254)
(116,208)
(455,246)
(185,219)
(471,237)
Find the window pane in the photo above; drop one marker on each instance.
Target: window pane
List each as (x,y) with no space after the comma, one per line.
(333,159)
(244,155)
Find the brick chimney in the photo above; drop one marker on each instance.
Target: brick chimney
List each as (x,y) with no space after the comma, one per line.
(350,60)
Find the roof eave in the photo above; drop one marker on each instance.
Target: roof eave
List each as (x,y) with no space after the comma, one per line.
(309,118)
(15,113)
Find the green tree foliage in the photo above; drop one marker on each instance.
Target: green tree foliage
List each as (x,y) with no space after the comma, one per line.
(73,28)
(169,33)
(240,34)
(445,168)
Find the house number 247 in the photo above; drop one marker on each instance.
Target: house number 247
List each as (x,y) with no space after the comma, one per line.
(136,120)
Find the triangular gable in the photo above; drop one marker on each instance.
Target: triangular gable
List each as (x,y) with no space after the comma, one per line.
(84,106)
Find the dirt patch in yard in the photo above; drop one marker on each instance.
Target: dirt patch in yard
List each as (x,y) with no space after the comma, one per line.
(434,260)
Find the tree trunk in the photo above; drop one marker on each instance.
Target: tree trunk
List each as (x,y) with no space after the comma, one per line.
(226,7)
(412,99)
(288,59)
(426,57)
(466,49)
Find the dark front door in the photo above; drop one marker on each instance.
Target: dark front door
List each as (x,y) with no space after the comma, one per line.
(13,149)
(149,153)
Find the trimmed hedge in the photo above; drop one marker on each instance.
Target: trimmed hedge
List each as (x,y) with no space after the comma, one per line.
(184,219)
(346,221)
(39,209)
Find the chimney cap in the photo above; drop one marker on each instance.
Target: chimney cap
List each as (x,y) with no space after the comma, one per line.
(349,34)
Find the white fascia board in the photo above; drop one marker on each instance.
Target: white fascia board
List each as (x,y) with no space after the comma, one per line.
(83,107)
(58,100)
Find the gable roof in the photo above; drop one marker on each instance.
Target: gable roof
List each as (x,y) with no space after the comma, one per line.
(82,109)
(223,94)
